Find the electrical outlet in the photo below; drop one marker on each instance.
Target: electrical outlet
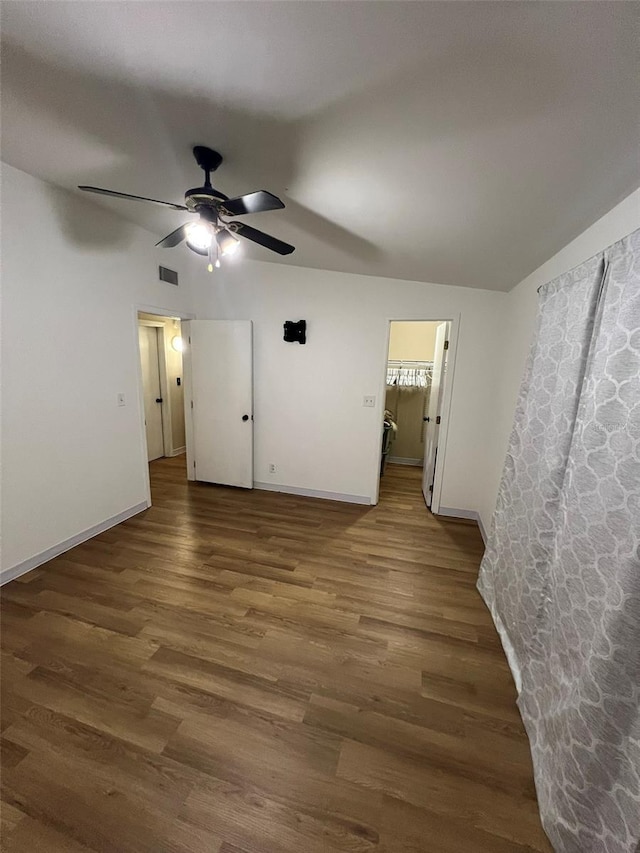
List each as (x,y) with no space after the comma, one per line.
(121,401)
(272,468)
(370,402)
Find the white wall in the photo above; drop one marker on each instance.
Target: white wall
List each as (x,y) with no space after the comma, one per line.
(71,275)
(515,338)
(309,417)
(412,341)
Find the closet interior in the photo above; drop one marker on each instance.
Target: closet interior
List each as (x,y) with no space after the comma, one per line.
(408,386)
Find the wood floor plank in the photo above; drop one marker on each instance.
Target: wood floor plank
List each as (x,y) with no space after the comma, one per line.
(238,671)
(11,753)
(503,768)
(512,817)
(33,835)
(405,828)
(85,805)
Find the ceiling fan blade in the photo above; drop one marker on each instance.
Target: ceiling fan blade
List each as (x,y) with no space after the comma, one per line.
(251,203)
(174,238)
(260,237)
(115,194)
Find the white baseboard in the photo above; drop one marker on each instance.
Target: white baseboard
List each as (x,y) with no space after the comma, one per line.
(507,645)
(465,513)
(313,493)
(178,451)
(405,460)
(483,532)
(25,566)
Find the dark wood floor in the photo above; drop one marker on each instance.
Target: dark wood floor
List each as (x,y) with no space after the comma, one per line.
(238,671)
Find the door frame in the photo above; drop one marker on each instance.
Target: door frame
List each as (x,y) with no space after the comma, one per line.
(159,312)
(445,406)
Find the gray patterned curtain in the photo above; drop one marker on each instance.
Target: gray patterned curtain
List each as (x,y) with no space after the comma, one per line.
(561,574)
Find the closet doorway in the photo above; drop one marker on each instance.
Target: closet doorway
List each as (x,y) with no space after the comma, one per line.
(160,348)
(415,396)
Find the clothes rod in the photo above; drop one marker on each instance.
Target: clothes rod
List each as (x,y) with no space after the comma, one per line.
(399,363)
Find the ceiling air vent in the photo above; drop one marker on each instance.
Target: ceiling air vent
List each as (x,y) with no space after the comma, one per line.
(170,276)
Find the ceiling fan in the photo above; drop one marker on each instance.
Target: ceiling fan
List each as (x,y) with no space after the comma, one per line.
(210,234)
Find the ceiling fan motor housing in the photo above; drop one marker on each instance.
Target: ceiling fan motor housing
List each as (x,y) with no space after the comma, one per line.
(203,197)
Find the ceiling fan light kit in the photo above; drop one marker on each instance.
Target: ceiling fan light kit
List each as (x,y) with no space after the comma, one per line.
(199,235)
(212,235)
(227,242)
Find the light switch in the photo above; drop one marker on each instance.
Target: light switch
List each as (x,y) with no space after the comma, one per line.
(121,401)
(369,401)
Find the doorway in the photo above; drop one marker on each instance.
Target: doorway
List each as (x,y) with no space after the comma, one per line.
(151,390)
(218,368)
(416,385)
(160,347)
(205,400)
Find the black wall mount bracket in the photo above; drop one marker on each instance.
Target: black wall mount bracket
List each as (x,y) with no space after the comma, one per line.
(295,331)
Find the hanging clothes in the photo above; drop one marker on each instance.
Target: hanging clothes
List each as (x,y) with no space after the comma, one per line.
(407,374)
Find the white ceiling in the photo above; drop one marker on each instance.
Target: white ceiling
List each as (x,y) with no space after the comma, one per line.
(453,142)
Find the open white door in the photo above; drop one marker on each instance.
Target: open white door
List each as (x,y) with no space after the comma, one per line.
(433,411)
(218,359)
(152,393)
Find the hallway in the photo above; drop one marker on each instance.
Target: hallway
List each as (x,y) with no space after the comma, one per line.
(249,672)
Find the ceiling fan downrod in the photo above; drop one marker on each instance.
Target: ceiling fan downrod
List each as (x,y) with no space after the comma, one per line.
(208,160)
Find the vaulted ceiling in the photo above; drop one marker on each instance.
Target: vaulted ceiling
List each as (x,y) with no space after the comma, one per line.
(453,142)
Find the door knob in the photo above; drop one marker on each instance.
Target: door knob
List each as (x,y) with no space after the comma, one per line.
(158,399)
(245,417)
